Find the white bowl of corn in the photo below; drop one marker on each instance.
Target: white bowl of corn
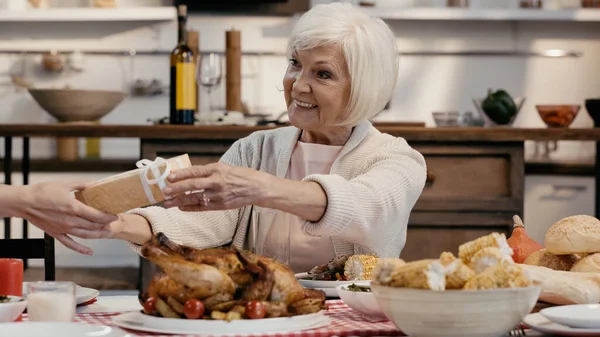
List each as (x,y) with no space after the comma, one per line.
(359,297)
(482,292)
(456,313)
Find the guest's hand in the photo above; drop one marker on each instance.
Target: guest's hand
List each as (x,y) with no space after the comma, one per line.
(214,187)
(51,207)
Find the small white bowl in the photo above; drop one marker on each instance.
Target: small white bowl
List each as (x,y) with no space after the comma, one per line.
(584,316)
(363,302)
(456,313)
(10,311)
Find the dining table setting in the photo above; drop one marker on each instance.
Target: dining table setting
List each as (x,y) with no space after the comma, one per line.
(480,292)
(100,316)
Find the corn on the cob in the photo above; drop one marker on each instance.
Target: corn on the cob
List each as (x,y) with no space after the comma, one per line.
(360,267)
(488,257)
(422,274)
(386,269)
(468,249)
(502,275)
(457,273)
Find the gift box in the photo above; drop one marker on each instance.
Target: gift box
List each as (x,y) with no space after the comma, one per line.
(132,189)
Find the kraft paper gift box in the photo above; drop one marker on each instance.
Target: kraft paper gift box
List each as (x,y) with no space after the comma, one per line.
(132,189)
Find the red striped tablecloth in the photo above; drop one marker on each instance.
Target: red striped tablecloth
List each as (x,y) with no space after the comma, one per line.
(344,322)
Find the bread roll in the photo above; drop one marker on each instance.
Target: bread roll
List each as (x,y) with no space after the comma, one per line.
(564,287)
(546,259)
(574,234)
(588,264)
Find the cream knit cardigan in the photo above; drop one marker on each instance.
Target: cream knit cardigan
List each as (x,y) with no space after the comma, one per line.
(373,185)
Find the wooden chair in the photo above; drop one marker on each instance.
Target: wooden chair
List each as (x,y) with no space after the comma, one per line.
(32,249)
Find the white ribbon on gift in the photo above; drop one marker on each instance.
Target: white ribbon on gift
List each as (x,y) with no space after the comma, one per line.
(160,179)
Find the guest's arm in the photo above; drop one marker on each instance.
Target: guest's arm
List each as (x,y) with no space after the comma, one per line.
(51,207)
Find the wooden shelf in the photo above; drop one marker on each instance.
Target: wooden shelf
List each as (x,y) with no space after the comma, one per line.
(485,14)
(148,14)
(79,23)
(82,165)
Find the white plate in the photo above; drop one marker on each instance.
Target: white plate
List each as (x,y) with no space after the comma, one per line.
(540,323)
(327,286)
(139,321)
(83,294)
(584,316)
(37,329)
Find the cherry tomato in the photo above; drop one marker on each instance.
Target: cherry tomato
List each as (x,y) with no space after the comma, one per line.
(193,309)
(150,306)
(255,310)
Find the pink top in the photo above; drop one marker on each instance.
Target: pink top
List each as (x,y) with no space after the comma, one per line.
(308,251)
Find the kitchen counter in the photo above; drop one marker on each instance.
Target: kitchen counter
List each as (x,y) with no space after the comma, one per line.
(408,132)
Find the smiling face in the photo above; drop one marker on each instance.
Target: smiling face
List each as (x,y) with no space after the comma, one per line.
(317,88)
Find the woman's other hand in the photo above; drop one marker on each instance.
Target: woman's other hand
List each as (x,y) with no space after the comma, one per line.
(215,187)
(51,207)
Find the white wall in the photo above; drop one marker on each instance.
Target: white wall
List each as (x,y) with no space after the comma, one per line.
(426,84)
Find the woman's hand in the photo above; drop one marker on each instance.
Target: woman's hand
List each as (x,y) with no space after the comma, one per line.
(215,187)
(51,207)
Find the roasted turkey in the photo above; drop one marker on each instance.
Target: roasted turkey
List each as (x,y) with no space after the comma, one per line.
(225,277)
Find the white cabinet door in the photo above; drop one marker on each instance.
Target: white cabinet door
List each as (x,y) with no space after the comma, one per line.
(551,198)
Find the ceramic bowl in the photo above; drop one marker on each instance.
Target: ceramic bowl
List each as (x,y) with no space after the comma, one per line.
(456,313)
(70,105)
(363,302)
(10,311)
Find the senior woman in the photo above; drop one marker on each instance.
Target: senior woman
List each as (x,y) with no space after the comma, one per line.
(352,186)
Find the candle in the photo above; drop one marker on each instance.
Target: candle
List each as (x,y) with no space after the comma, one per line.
(11,277)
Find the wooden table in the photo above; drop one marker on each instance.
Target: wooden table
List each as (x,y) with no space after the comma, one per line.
(484,145)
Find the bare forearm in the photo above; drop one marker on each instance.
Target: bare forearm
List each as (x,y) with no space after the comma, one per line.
(133,228)
(305,199)
(12,199)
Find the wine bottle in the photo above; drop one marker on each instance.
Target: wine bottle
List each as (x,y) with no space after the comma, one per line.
(183,76)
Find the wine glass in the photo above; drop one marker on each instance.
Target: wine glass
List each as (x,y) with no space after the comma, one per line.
(209,73)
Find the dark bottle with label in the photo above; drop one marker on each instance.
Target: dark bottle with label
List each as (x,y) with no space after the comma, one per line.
(183,76)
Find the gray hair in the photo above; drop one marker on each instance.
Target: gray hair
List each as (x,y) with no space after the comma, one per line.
(369,46)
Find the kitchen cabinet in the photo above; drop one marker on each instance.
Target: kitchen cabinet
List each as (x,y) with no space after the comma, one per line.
(551,198)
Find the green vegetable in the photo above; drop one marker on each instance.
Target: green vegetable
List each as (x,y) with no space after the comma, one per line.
(354,287)
(4,299)
(499,107)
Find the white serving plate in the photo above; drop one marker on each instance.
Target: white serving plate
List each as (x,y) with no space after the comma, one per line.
(82,294)
(329,287)
(540,323)
(584,316)
(37,329)
(141,322)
